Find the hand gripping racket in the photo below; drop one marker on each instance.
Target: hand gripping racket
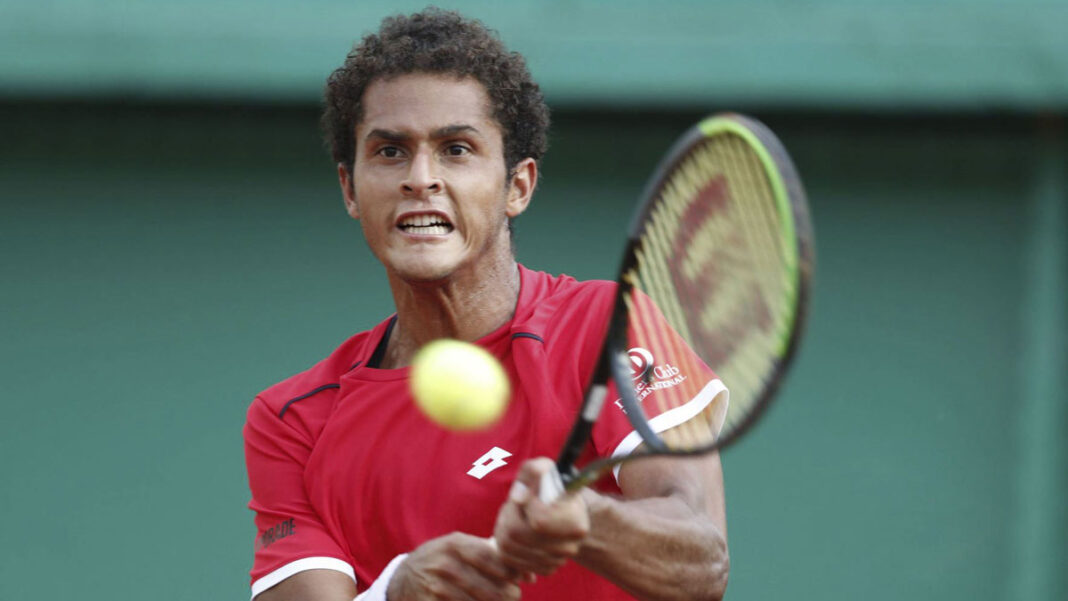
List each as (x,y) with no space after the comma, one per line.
(716,270)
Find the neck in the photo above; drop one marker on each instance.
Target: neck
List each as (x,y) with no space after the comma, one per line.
(463,307)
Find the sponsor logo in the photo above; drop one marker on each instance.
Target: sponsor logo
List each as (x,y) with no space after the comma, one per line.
(648,376)
(276,533)
(641,361)
(493,459)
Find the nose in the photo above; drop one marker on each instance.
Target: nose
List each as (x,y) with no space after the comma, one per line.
(421,180)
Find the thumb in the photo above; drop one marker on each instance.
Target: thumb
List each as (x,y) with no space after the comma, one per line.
(536,476)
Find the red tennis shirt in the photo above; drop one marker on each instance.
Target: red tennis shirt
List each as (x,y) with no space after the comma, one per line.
(346,473)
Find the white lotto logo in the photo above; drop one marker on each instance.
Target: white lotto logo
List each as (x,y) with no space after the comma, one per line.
(493,459)
(641,361)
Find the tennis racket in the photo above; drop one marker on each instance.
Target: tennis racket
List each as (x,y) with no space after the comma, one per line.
(715,273)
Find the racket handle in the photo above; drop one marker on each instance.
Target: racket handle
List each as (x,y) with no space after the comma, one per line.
(551,487)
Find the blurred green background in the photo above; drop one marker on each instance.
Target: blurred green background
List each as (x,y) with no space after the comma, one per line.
(173,241)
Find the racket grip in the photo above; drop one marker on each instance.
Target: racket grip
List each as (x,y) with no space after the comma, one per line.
(551,486)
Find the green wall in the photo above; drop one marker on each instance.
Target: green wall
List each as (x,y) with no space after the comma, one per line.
(163,263)
(782,53)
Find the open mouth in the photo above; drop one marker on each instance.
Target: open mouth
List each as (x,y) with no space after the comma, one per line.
(425,224)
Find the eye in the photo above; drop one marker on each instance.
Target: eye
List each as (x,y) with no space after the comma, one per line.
(389,152)
(457,150)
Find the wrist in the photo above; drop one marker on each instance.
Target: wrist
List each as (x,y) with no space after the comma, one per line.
(596,504)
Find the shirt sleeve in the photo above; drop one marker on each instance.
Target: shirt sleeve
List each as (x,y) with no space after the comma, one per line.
(290,536)
(671,382)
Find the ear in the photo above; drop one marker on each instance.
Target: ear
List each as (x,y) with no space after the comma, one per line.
(521,187)
(348,190)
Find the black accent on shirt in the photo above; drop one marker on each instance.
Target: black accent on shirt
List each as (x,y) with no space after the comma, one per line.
(527,335)
(380,351)
(306,395)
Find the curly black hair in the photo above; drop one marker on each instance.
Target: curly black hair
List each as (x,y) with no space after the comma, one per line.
(438,41)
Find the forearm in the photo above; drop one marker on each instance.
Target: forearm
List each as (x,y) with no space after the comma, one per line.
(664,540)
(657,549)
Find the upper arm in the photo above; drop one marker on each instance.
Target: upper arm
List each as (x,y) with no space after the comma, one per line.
(291,537)
(311,585)
(696,482)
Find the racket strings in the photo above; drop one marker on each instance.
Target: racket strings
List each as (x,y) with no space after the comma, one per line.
(743,306)
(759,223)
(712,247)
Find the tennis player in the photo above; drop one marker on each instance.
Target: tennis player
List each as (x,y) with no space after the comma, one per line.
(437,131)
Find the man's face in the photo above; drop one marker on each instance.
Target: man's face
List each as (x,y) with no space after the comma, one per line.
(429,184)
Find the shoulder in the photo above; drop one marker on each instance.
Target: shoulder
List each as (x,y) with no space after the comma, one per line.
(567,316)
(304,400)
(548,300)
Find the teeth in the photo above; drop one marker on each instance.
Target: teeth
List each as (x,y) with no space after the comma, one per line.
(425,224)
(434,230)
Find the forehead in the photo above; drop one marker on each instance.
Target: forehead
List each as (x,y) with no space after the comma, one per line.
(417,102)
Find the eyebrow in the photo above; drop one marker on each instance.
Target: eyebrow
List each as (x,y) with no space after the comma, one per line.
(442,132)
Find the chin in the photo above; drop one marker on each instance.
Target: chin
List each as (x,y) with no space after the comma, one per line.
(424,272)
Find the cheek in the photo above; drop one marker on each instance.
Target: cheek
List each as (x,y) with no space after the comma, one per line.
(492,206)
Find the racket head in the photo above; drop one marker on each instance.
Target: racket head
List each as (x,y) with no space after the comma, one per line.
(717,171)
(722,246)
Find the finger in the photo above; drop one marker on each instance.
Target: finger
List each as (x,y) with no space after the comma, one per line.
(518,539)
(525,577)
(530,567)
(525,561)
(527,549)
(418,578)
(484,555)
(536,557)
(550,486)
(524,551)
(469,583)
(567,518)
(532,470)
(565,515)
(468,572)
(469,587)
(519,493)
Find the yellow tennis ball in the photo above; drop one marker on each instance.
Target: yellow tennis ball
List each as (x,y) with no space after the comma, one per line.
(459,385)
